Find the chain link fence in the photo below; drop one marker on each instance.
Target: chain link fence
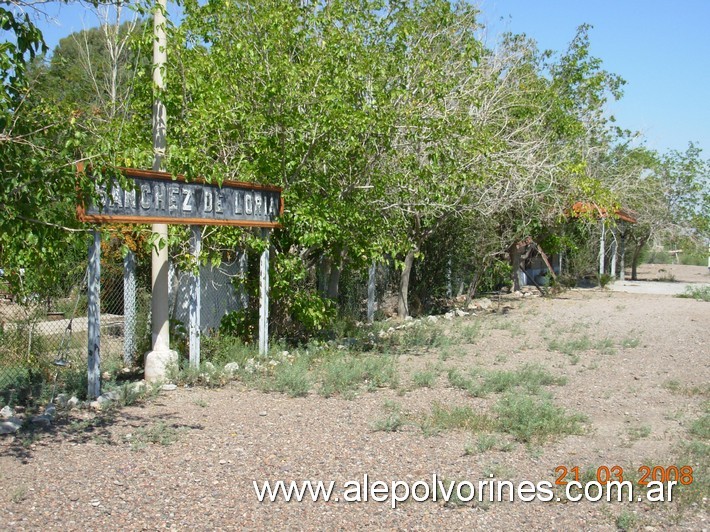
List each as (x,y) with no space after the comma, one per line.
(43,338)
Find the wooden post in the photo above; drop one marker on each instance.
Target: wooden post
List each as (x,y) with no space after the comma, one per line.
(602,247)
(194,302)
(264,297)
(94,317)
(371,292)
(129,308)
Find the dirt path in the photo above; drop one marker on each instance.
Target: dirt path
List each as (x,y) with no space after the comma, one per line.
(636,365)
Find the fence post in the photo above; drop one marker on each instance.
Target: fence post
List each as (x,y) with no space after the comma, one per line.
(243,267)
(195,298)
(129,308)
(94,317)
(371,292)
(264,297)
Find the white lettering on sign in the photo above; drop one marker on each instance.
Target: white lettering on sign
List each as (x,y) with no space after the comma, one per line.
(175,200)
(186,200)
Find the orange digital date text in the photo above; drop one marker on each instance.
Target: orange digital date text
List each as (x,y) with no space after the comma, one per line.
(604,474)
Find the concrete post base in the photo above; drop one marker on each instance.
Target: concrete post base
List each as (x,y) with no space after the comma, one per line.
(157,364)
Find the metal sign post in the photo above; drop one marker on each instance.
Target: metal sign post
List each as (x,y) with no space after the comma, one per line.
(161,198)
(94,316)
(264,297)
(194,303)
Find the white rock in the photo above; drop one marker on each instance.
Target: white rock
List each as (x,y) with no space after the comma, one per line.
(138,387)
(432,319)
(10,425)
(483,303)
(460,313)
(113,395)
(95,405)
(171,387)
(42,421)
(61,400)
(6,412)
(209,366)
(50,410)
(232,367)
(73,402)
(104,399)
(408,318)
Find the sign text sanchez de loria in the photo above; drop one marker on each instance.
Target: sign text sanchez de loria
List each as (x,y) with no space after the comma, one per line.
(158,197)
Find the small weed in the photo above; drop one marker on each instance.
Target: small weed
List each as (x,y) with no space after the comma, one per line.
(637,433)
(486,442)
(605,280)
(672,386)
(530,377)
(626,521)
(19,494)
(201,403)
(425,379)
(423,335)
(158,434)
(442,418)
(630,343)
(292,379)
(700,428)
(344,373)
(392,421)
(678,388)
(570,346)
(535,420)
(445,354)
(606,346)
(468,333)
(700,293)
(469,449)
(458,380)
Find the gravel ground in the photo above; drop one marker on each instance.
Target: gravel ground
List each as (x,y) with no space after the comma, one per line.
(90,472)
(653,279)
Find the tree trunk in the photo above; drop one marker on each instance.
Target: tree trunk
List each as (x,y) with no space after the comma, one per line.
(334,281)
(514,253)
(635,259)
(323,275)
(622,257)
(403,303)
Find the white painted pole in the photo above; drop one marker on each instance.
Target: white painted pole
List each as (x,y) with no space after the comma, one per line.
(371,292)
(602,247)
(264,298)
(94,317)
(613,254)
(622,255)
(158,360)
(129,308)
(195,298)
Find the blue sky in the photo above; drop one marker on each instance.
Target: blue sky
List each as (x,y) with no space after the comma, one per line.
(661,49)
